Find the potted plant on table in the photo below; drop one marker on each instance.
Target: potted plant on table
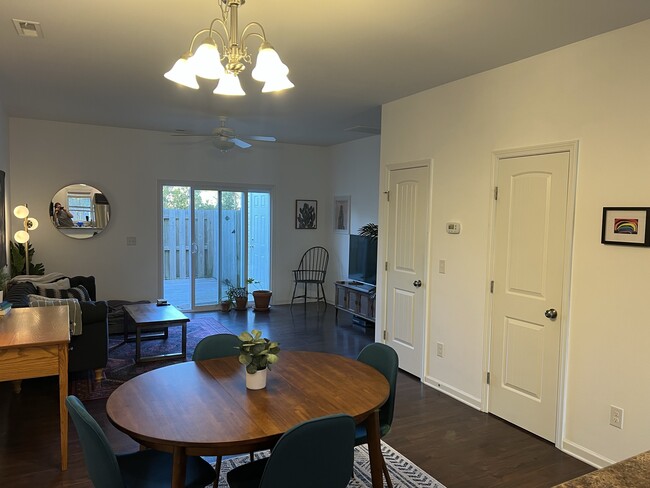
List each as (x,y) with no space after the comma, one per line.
(257,353)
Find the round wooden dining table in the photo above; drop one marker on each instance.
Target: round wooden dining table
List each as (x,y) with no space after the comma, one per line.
(204,409)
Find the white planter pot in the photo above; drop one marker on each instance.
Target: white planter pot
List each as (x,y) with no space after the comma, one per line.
(257,380)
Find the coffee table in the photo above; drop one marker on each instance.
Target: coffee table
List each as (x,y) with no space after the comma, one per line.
(202,408)
(147,316)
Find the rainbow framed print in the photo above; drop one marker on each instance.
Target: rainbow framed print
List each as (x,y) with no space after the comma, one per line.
(626,226)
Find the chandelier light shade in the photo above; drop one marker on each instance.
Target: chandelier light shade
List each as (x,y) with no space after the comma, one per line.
(22,236)
(223,55)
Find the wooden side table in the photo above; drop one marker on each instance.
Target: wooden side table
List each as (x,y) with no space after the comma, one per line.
(34,343)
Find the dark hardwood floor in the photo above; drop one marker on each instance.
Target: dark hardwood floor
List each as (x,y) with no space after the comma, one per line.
(459,446)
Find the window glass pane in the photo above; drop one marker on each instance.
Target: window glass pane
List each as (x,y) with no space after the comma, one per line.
(259,239)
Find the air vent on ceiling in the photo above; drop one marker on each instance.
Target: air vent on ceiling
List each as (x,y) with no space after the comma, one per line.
(28,28)
(364,128)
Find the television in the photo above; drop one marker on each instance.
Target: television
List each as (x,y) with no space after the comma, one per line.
(363,259)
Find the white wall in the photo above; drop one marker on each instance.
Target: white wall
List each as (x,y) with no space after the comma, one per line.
(4,166)
(354,172)
(126,165)
(596,92)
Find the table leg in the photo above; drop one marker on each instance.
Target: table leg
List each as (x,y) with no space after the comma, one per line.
(184,341)
(137,343)
(374,449)
(178,467)
(63,411)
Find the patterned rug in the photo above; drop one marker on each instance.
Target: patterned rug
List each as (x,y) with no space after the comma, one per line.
(403,473)
(121,357)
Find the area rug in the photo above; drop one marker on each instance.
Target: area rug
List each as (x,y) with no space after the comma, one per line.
(122,367)
(403,473)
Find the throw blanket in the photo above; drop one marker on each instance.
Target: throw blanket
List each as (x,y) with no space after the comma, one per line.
(48,278)
(74,309)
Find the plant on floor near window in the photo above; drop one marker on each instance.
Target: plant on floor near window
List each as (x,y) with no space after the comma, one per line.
(235,295)
(262,298)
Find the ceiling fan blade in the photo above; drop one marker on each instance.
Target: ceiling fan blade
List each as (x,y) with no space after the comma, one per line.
(191,135)
(261,138)
(240,143)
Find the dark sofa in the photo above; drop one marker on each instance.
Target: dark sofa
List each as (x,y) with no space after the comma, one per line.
(88,351)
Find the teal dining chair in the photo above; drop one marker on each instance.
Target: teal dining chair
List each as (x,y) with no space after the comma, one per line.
(318,453)
(217,346)
(141,469)
(385,360)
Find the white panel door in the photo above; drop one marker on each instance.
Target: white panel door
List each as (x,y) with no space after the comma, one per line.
(530,235)
(406,256)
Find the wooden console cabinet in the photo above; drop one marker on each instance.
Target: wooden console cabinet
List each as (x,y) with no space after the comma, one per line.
(356,298)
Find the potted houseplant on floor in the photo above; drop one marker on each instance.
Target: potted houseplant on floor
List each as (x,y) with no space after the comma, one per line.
(234,295)
(257,353)
(262,298)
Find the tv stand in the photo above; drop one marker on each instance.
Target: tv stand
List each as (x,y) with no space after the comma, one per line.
(356,298)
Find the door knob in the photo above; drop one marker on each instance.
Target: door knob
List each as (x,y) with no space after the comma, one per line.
(551,313)
(417,283)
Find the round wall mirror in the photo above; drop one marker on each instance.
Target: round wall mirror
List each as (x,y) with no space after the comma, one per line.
(79,211)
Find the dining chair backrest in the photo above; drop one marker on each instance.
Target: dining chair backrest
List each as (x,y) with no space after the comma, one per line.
(216,346)
(101,462)
(318,453)
(385,360)
(313,265)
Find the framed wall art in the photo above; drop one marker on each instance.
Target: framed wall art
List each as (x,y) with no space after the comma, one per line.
(306,214)
(342,215)
(626,226)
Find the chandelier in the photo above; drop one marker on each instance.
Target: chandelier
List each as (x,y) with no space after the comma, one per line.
(206,61)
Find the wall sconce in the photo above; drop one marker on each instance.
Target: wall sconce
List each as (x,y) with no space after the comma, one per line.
(22,236)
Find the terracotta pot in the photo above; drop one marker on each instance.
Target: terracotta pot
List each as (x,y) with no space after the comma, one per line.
(257,380)
(241,303)
(225,306)
(262,299)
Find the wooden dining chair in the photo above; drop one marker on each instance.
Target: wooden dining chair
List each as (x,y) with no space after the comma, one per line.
(385,360)
(218,346)
(141,469)
(318,453)
(311,271)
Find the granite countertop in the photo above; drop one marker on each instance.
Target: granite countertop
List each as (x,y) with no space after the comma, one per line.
(632,472)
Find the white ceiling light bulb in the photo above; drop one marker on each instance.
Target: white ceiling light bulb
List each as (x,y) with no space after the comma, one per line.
(277,84)
(182,72)
(268,65)
(21,211)
(32,223)
(206,61)
(229,85)
(21,236)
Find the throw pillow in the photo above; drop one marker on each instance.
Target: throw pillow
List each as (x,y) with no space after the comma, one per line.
(79,292)
(63,284)
(74,309)
(18,293)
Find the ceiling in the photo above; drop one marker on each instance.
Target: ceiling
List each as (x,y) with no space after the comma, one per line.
(102,62)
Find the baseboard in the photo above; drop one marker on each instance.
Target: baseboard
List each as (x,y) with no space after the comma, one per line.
(455,393)
(585,455)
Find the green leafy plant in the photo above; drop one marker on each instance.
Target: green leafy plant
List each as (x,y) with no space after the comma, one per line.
(257,352)
(17,252)
(233,291)
(369,230)
(4,279)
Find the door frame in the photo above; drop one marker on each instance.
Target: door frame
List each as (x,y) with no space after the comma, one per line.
(572,148)
(380,301)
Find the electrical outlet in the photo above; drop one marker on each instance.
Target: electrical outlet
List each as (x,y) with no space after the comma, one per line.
(130,240)
(440,349)
(441,266)
(616,416)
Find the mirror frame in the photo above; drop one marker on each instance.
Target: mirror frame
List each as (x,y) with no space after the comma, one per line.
(96,213)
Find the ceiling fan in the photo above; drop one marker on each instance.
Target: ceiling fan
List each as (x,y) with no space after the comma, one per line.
(224,138)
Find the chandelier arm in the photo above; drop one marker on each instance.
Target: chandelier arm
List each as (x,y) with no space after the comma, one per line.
(245,35)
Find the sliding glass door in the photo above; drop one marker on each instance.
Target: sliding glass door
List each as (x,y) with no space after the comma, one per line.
(211,234)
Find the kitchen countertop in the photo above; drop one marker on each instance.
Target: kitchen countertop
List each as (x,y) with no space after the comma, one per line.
(632,472)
